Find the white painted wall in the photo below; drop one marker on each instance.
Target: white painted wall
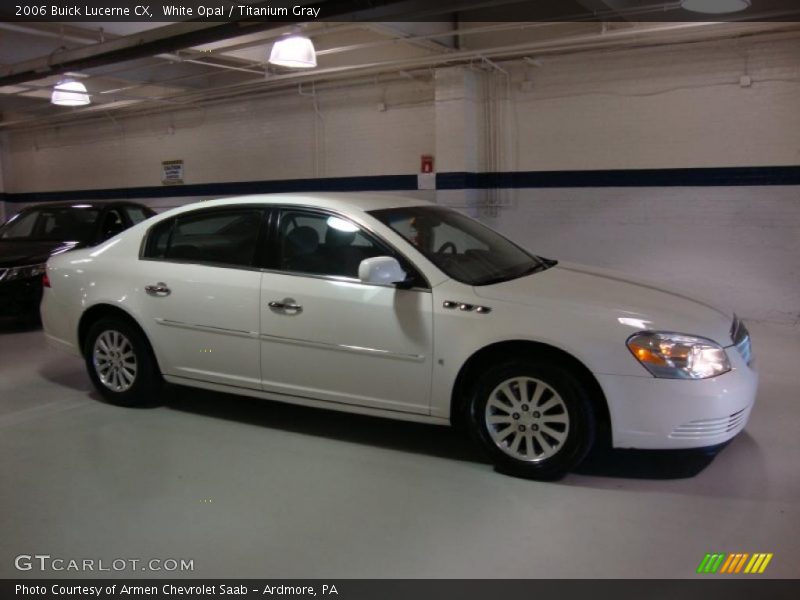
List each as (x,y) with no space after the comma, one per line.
(279,137)
(666,108)
(739,246)
(680,106)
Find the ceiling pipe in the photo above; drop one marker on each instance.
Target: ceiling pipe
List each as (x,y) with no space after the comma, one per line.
(173,37)
(619,38)
(640,37)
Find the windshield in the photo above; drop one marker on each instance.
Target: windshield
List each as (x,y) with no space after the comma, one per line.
(60,224)
(461,247)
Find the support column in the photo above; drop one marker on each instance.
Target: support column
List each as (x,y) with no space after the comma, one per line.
(458,132)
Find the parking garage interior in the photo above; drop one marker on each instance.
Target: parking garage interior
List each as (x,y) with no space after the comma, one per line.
(663,147)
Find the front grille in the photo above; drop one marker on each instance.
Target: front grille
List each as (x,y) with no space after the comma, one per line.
(741,340)
(709,428)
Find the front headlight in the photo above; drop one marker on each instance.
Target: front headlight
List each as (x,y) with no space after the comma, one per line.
(678,356)
(25,272)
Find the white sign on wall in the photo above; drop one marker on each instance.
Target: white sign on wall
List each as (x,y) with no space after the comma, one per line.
(172,172)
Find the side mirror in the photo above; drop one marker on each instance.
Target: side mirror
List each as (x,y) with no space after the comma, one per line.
(381,269)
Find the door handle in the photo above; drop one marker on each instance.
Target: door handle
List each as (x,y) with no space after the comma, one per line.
(287,304)
(159,289)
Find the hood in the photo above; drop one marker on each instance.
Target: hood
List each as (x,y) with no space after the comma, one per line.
(17,253)
(621,300)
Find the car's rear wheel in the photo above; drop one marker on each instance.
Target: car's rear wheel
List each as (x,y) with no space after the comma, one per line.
(121,364)
(533,417)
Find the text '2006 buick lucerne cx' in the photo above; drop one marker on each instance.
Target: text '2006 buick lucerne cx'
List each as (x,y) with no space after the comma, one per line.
(403,309)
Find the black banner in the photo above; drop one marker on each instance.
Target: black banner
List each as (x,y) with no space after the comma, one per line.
(296,11)
(389,589)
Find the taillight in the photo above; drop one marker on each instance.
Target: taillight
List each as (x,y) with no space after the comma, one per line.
(45,281)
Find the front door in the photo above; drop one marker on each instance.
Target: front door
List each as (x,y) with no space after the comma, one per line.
(327,336)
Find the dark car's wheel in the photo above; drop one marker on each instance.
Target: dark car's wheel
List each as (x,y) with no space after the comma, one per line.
(121,364)
(533,417)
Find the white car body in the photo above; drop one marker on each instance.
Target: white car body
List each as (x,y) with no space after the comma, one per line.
(380,350)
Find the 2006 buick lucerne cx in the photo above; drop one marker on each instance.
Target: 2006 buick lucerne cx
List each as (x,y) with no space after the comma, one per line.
(403,309)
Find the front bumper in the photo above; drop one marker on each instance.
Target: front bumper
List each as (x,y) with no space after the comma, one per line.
(652,413)
(20,296)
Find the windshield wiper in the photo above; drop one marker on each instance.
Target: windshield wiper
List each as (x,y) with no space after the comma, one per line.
(548,262)
(534,268)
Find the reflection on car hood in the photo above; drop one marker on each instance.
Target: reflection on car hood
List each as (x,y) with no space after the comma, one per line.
(606,294)
(15,253)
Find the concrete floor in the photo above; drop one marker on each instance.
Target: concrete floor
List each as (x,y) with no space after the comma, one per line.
(258,489)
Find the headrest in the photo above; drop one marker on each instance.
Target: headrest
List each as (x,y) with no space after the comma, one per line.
(302,240)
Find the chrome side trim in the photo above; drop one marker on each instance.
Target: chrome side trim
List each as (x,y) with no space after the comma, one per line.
(377,352)
(350,407)
(206,328)
(284,340)
(177,261)
(342,279)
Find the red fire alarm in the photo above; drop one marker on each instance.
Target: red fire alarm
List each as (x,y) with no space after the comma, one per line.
(426,163)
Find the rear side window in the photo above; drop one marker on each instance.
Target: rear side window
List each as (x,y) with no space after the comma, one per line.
(53,224)
(136,214)
(20,226)
(220,237)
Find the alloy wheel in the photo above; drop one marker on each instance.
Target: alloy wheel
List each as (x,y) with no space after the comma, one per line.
(114,361)
(527,419)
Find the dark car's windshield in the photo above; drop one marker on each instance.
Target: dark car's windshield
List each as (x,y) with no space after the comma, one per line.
(461,247)
(61,224)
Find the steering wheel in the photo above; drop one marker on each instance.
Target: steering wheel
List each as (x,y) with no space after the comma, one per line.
(446,246)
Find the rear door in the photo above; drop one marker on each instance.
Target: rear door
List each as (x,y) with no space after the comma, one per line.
(201,295)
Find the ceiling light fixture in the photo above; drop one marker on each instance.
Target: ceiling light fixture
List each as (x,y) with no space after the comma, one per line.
(69,92)
(294,51)
(715,7)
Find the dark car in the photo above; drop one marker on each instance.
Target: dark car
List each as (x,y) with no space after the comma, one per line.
(36,233)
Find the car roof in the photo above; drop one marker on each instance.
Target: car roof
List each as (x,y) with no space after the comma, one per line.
(81,204)
(342,200)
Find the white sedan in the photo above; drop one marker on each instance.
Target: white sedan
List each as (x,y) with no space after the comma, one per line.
(403,309)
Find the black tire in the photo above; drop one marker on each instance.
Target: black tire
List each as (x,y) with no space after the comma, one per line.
(568,415)
(146,385)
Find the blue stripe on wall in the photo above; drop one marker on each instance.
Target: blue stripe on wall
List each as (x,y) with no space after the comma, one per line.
(234,188)
(725,176)
(721,176)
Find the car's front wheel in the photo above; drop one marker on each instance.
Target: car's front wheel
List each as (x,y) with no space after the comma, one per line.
(121,364)
(533,417)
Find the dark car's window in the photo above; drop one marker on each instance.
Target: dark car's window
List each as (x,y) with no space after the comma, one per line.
(19,227)
(461,247)
(136,214)
(323,244)
(66,223)
(220,237)
(113,223)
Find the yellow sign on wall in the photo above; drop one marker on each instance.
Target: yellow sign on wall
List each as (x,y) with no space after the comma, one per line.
(172,172)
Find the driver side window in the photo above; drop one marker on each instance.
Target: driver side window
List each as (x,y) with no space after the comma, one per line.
(323,244)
